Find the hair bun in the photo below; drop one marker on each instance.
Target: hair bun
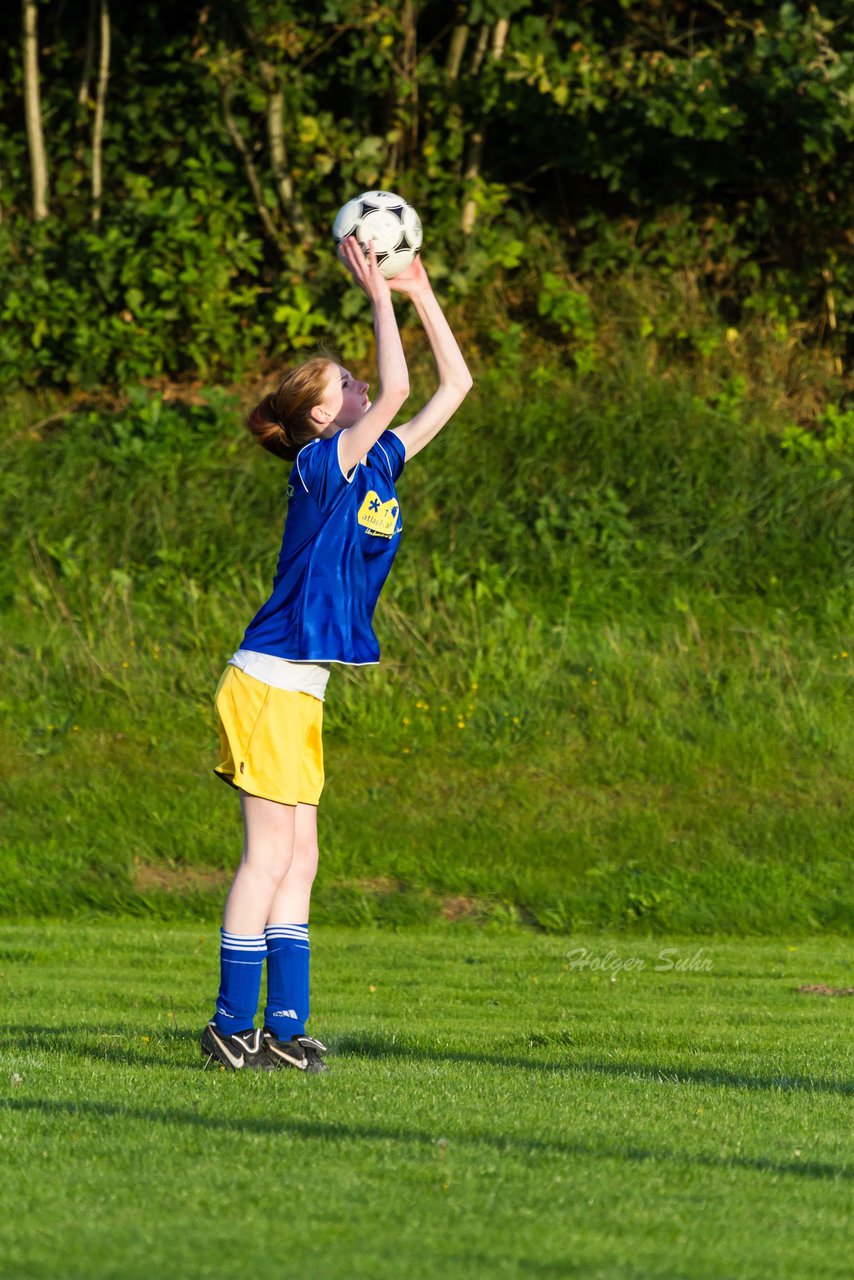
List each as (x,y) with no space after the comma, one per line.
(282,421)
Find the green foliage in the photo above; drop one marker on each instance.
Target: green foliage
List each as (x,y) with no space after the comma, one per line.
(606,485)
(570,311)
(163,288)
(663,143)
(832,444)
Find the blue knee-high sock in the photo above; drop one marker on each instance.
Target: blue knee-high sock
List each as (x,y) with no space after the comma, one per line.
(286,1012)
(241,960)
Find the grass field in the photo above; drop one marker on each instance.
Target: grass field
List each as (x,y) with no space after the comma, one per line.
(688,781)
(495,1108)
(617,658)
(616,677)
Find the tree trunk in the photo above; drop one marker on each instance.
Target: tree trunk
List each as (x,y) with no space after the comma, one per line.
(88,57)
(251,172)
(33,111)
(409,128)
(456,49)
(474,153)
(402,98)
(100,101)
(499,37)
(270,77)
(830,303)
(479,49)
(474,157)
(278,154)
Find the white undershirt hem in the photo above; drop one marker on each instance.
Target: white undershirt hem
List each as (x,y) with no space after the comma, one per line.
(295,677)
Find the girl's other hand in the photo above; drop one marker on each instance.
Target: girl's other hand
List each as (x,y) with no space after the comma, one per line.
(412,280)
(364,270)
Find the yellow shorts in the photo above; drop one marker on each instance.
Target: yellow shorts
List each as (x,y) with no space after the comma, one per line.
(270,739)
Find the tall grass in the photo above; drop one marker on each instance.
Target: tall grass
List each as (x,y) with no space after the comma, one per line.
(616,675)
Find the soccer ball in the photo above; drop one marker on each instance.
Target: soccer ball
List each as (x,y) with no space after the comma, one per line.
(389,221)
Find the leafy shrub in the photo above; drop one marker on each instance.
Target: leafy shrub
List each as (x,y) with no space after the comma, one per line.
(565,150)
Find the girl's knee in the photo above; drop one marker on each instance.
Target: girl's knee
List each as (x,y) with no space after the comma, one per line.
(269,865)
(304,864)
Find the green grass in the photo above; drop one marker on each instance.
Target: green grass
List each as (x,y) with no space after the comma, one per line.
(695,779)
(493,1110)
(617,659)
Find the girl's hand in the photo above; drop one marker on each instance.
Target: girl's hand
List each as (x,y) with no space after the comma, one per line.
(364,270)
(412,280)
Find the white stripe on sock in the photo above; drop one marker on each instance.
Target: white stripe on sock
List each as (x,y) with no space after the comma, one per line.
(240,942)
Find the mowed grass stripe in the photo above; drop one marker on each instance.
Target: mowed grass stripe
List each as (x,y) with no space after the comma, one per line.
(492,1111)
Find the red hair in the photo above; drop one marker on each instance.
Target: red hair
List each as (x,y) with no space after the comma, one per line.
(282,421)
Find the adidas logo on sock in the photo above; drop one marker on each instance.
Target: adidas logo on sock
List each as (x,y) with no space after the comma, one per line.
(284,1013)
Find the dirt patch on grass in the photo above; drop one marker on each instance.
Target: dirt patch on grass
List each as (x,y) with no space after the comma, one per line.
(157,877)
(820,989)
(376,884)
(460,907)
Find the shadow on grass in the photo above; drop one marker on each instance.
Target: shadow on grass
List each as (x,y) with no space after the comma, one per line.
(158,1048)
(314,1130)
(141,1047)
(377,1046)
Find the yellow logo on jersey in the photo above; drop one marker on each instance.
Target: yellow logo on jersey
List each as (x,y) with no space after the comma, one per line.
(379,518)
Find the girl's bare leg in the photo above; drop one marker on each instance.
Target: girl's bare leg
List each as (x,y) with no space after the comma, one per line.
(268,852)
(290,903)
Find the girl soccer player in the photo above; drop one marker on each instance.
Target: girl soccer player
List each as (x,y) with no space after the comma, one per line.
(341,534)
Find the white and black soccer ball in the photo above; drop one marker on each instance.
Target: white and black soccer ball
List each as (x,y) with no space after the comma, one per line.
(389,221)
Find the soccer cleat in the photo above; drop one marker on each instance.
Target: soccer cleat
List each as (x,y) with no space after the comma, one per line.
(302,1052)
(314,1051)
(242,1051)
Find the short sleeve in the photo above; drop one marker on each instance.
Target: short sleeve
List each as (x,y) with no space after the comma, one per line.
(395,452)
(319,471)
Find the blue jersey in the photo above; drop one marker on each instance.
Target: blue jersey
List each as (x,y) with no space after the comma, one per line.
(340,538)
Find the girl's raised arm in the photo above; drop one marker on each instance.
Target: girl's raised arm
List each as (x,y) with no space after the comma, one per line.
(455,381)
(354,442)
